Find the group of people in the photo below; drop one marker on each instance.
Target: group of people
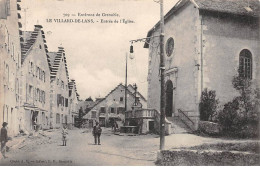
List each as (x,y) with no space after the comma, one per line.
(4,137)
(96,133)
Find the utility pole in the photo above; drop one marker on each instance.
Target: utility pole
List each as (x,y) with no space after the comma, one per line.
(126,82)
(162,69)
(135,88)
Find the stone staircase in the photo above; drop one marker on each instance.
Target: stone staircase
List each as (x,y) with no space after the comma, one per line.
(177,126)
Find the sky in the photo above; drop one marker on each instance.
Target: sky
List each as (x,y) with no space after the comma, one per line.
(96,52)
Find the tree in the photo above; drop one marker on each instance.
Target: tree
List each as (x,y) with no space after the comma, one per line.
(208,105)
(241,115)
(87,110)
(80,119)
(89,99)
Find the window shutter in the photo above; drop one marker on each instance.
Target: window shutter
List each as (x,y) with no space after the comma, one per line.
(3,14)
(8,10)
(57,99)
(36,94)
(27,92)
(43,97)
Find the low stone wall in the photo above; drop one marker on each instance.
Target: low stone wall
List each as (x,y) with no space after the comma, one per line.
(207,157)
(209,128)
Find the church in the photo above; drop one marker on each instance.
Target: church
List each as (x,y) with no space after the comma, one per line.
(205,43)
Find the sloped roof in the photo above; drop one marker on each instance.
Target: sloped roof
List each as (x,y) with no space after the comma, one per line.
(89,104)
(71,84)
(238,7)
(101,99)
(56,60)
(120,85)
(234,7)
(132,90)
(28,41)
(52,56)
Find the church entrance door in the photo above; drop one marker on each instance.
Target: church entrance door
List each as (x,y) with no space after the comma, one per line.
(169,98)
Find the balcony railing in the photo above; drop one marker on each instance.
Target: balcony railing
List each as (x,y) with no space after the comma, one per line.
(142,113)
(186,119)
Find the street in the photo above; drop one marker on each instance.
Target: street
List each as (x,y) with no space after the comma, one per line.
(80,150)
(45,148)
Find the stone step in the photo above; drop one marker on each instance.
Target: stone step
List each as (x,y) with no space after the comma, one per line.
(178,126)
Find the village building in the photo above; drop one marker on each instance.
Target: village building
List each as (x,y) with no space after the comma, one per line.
(84,107)
(86,104)
(59,92)
(74,101)
(112,107)
(10,62)
(206,41)
(35,75)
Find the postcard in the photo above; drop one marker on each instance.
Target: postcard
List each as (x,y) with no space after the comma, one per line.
(129,82)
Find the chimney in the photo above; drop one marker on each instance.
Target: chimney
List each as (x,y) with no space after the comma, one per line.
(37,27)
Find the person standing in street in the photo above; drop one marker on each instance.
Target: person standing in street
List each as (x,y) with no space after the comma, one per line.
(4,139)
(64,135)
(97,133)
(115,127)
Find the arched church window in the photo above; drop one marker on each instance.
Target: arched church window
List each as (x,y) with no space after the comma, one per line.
(245,64)
(169,46)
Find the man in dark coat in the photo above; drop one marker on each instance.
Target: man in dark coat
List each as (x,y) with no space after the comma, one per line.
(96,133)
(115,127)
(4,139)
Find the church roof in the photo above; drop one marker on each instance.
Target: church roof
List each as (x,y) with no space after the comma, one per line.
(238,7)
(234,7)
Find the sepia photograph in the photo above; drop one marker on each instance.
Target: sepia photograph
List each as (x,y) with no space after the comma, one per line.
(130,82)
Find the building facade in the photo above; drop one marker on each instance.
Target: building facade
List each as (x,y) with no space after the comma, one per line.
(74,102)
(206,42)
(35,75)
(112,107)
(10,62)
(59,89)
(34,83)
